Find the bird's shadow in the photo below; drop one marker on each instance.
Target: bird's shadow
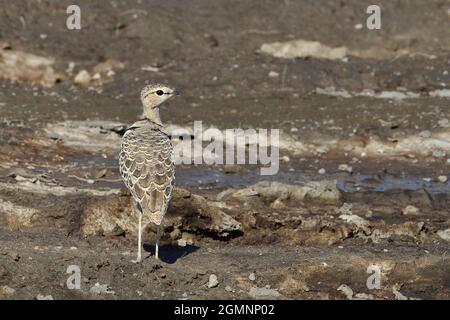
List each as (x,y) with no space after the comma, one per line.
(169,253)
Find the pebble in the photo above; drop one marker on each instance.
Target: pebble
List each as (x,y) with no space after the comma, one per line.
(425,134)
(252,276)
(322,171)
(101,289)
(410,210)
(82,78)
(444,123)
(439,154)
(42,297)
(5,290)
(274,74)
(53,136)
(263,292)
(442,179)
(228,289)
(345,167)
(348,147)
(213,281)
(182,242)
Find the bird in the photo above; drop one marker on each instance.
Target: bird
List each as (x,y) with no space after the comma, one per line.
(146,162)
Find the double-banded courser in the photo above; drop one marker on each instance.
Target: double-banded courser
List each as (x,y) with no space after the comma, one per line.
(146,162)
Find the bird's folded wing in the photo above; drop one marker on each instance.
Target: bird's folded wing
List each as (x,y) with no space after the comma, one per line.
(147,167)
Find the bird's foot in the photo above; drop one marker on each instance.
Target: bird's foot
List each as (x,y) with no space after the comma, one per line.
(138,260)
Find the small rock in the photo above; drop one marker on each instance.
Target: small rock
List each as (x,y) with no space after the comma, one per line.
(252,276)
(345,167)
(54,136)
(213,281)
(274,74)
(348,147)
(228,289)
(444,234)
(263,292)
(322,171)
(139,293)
(411,210)
(14,256)
(439,154)
(6,291)
(346,290)
(444,123)
(182,242)
(277,204)
(82,78)
(101,289)
(363,296)
(442,179)
(42,297)
(425,134)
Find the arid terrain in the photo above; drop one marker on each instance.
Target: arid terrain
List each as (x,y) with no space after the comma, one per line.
(362,188)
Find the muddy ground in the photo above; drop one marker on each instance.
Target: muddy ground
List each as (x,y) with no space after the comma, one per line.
(364,147)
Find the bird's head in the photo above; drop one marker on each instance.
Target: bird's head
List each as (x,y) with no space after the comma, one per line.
(153,95)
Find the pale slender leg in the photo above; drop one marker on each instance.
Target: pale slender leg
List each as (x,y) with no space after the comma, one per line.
(138,259)
(158,235)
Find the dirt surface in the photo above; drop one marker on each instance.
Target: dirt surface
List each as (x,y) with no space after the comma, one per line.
(364,148)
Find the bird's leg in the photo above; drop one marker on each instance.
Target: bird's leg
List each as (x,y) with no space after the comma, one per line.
(138,259)
(158,235)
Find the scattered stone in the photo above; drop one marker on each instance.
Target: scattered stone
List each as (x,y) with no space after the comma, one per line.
(26,67)
(108,66)
(182,242)
(322,171)
(252,276)
(228,289)
(346,290)
(439,154)
(263,292)
(324,191)
(442,179)
(345,167)
(444,234)
(82,78)
(411,210)
(425,134)
(6,291)
(53,135)
(359,222)
(277,204)
(42,297)
(348,147)
(213,281)
(303,49)
(346,208)
(274,74)
(444,123)
(101,289)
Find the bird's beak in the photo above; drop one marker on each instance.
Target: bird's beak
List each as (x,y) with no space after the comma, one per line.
(175,93)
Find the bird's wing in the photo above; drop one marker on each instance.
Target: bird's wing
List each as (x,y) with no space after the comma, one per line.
(147,168)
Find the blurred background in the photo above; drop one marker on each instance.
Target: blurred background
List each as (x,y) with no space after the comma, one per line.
(365,147)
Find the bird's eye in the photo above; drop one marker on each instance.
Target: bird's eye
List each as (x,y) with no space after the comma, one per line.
(159,92)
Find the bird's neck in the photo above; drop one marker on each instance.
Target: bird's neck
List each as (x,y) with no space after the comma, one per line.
(152,114)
